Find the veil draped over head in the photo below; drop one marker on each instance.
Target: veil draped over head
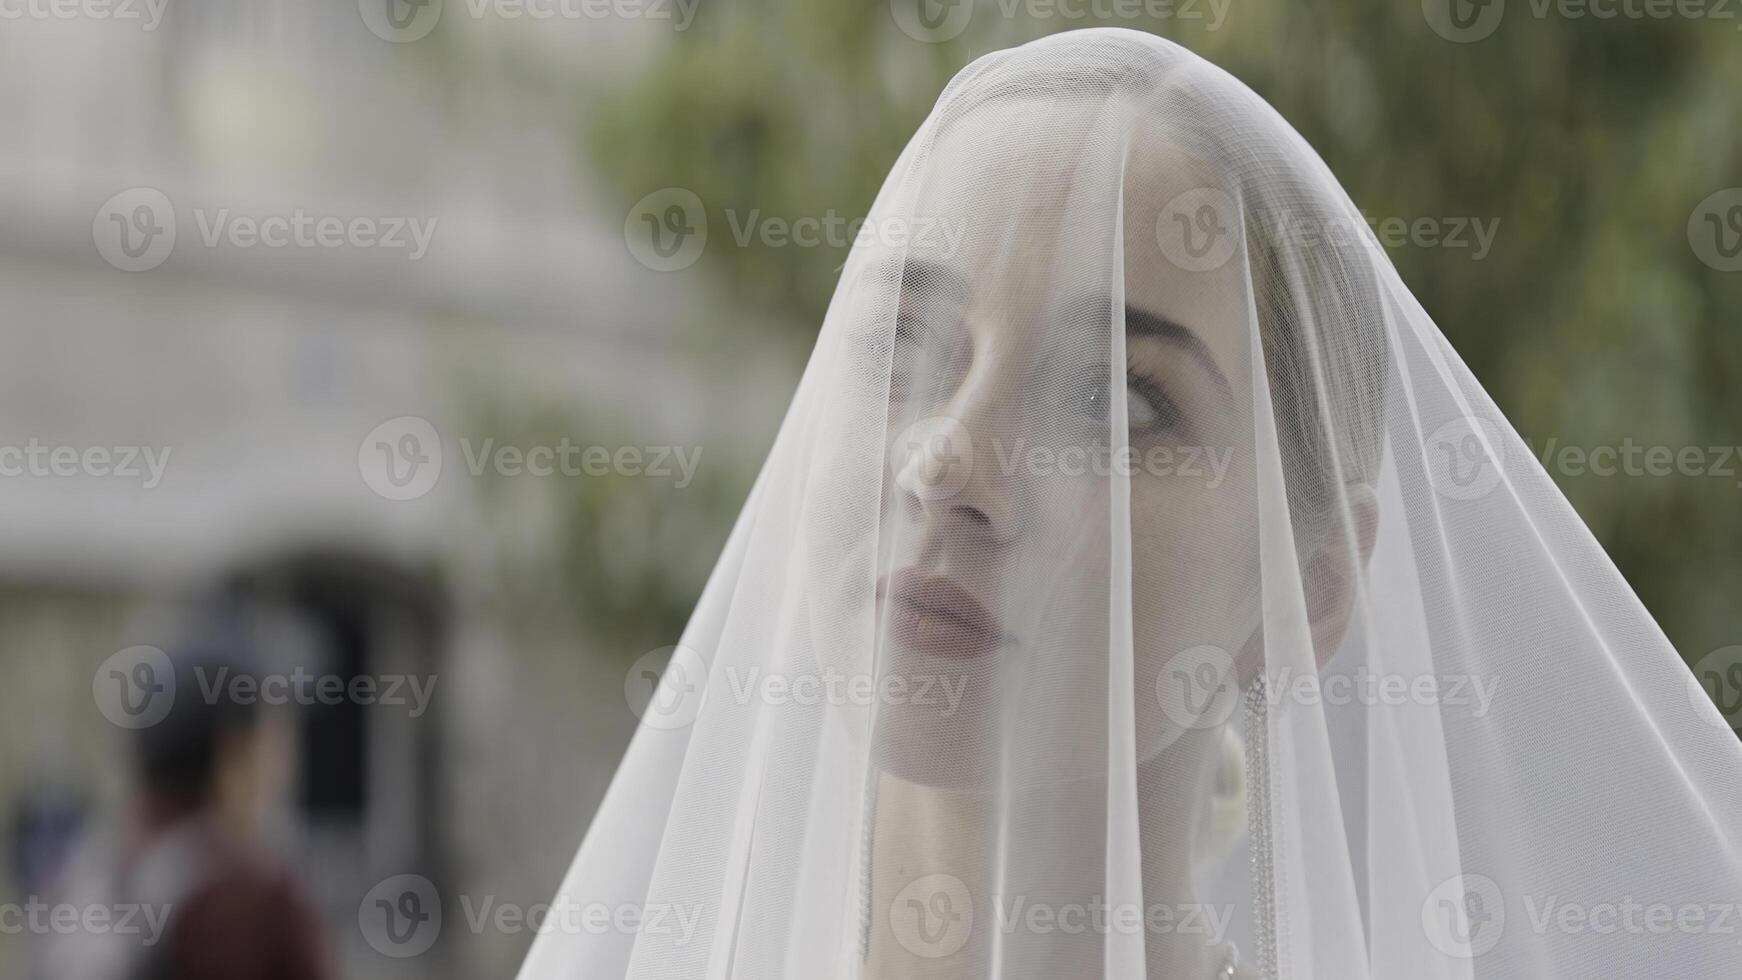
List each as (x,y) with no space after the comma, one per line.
(1141,586)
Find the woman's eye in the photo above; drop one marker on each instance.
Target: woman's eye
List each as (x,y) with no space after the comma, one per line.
(905,353)
(1147,407)
(1139,413)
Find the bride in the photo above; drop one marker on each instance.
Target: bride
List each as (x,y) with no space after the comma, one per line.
(1141,587)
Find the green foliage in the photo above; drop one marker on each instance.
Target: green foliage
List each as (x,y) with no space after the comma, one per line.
(618,558)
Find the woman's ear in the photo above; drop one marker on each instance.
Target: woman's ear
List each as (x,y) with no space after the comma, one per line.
(1332,581)
(1333,575)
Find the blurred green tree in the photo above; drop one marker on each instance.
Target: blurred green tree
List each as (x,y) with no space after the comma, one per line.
(1591,321)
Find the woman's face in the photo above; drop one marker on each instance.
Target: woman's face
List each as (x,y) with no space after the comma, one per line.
(998,548)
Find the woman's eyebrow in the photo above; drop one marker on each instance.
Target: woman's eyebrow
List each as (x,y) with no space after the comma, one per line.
(919,277)
(1140,322)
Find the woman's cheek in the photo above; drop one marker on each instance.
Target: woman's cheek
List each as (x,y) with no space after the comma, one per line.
(1193,578)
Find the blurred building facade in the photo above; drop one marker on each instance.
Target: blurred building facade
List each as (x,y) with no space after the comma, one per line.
(256,375)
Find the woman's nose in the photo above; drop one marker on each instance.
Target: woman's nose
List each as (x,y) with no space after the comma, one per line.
(949,472)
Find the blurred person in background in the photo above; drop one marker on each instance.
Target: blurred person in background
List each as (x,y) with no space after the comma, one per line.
(183,876)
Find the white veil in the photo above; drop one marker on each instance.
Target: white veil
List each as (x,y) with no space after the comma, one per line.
(1141,586)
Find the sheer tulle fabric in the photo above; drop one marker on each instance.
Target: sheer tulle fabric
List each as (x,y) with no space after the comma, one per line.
(1141,586)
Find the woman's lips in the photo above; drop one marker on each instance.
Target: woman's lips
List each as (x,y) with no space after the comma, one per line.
(932,614)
